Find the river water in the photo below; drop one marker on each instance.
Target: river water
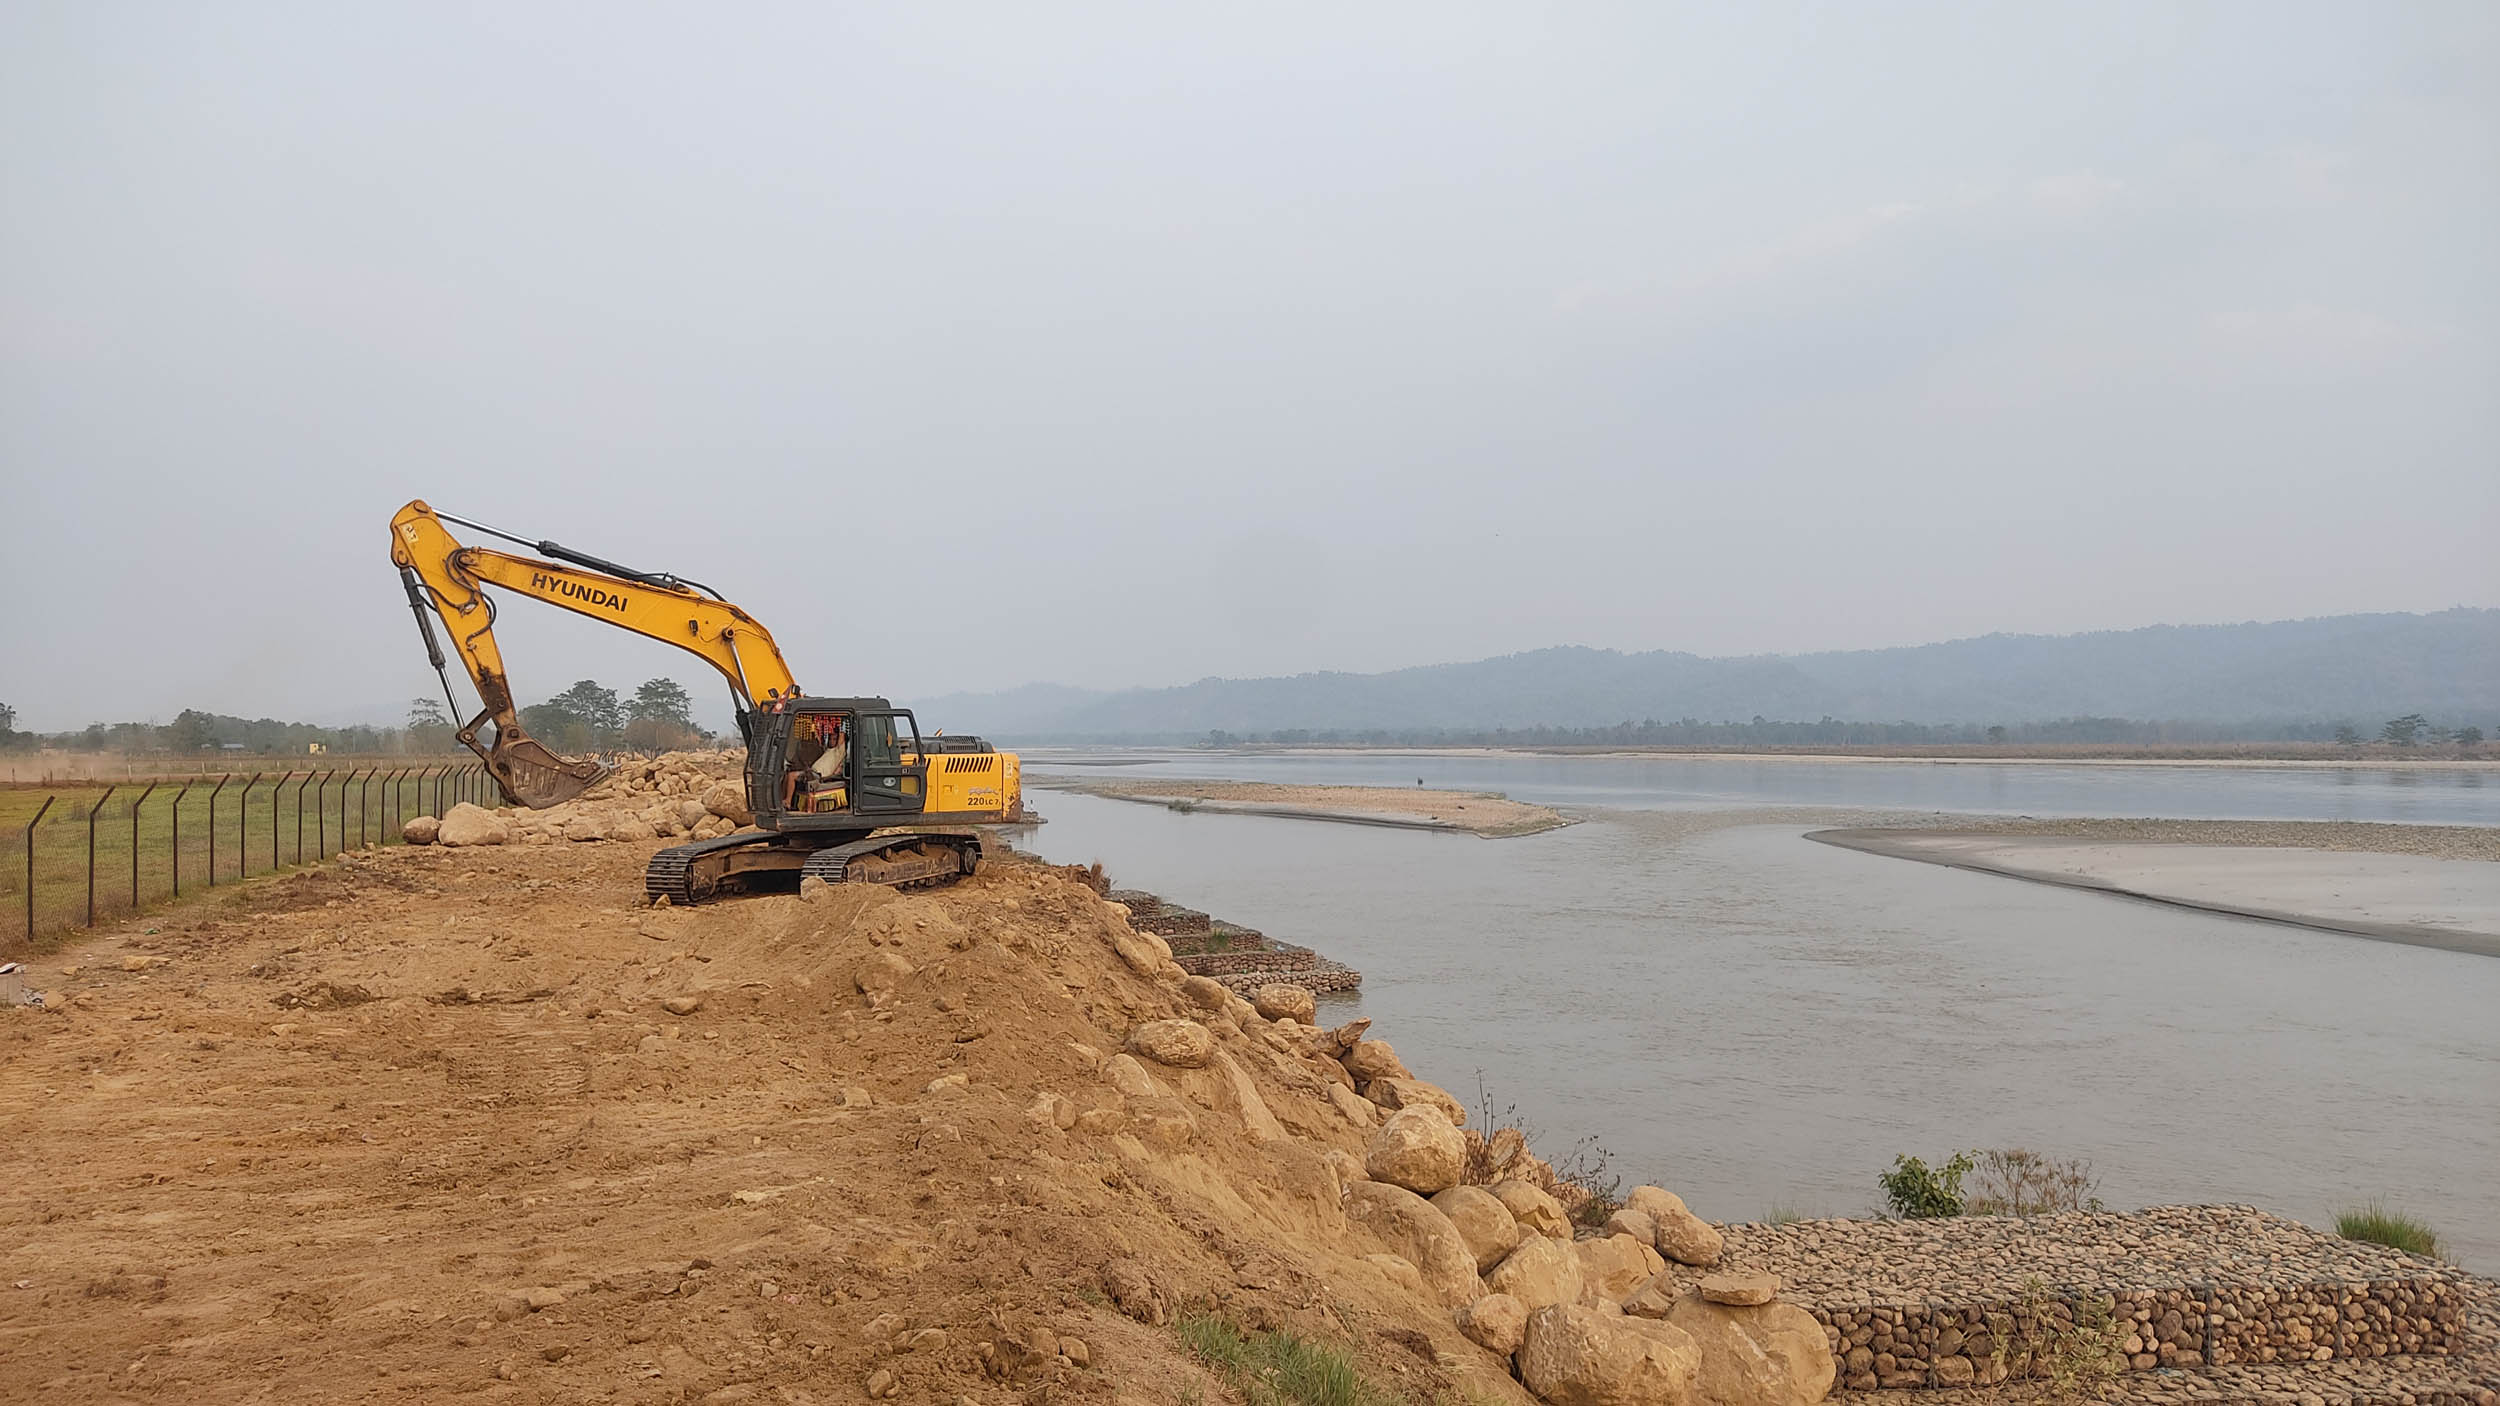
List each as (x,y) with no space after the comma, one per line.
(1756,1021)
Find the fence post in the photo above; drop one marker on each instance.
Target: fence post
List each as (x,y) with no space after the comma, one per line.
(212,828)
(274,788)
(299,814)
(30,866)
(91,815)
(321,815)
(134,839)
(177,854)
(243,829)
(390,798)
(361,783)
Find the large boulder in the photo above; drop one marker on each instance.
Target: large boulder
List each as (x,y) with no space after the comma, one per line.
(1142,952)
(1539,1273)
(467,824)
(1417,1149)
(1612,1266)
(1533,1208)
(420,830)
(1124,1073)
(1419,1234)
(1741,1288)
(1485,1223)
(1774,1355)
(1394,1092)
(1657,1298)
(1182,1044)
(1374,1059)
(1497,1323)
(728,800)
(1283,1001)
(1633,1223)
(1575,1356)
(1682,1236)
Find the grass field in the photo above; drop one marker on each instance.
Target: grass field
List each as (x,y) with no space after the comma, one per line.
(191,831)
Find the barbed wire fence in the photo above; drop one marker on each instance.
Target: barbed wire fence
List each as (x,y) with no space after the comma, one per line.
(72,857)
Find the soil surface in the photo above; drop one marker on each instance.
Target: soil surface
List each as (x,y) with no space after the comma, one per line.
(1486,813)
(433,1124)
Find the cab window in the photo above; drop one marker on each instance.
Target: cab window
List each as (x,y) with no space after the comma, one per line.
(878,745)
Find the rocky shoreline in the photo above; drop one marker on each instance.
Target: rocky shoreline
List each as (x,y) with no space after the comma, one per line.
(1238,958)
(2166,1290)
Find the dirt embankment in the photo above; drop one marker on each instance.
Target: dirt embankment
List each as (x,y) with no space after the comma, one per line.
(440,1124)
(1486,813)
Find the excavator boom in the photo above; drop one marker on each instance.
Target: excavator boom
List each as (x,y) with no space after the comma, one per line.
(446,580)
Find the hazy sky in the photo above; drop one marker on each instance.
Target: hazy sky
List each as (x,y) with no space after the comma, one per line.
(975,345)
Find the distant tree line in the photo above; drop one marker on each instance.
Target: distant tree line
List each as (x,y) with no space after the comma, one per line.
(2411,730)
(583,718)
(590,718)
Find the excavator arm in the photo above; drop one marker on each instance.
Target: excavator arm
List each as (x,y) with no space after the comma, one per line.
(447,581)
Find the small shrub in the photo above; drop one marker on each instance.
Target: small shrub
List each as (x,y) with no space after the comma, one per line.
(2379,1226)
(1785,1215)
(2074,1347)
(2016,1181)
(1916,1191)
(1585,1170)
(1280,1369)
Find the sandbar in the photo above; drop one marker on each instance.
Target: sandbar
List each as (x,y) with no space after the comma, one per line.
(1487,814)
(2430,886)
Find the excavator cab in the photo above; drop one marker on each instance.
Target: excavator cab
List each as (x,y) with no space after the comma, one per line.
(878,768)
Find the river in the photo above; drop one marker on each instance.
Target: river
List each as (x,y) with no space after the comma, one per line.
(1759,1022)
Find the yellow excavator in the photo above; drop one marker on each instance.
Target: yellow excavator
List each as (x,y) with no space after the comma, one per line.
(842,789)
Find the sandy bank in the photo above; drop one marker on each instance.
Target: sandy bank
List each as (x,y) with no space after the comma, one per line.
(1484,813)
(2430,886)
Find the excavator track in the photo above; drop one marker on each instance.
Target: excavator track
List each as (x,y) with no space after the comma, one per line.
(760,861)
(690,874)
(915,860)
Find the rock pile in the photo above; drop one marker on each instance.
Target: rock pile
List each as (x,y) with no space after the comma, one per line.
(1242,959)
(1975,1301)
(1597,1319)
(678,795)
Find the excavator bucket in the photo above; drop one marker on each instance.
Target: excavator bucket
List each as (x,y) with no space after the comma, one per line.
(530,775)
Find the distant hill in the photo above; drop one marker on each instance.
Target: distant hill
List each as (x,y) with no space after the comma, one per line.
(2363,668)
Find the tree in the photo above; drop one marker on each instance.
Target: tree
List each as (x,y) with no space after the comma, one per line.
(2345,736)
(663,700)
(428,730)
(1997,733)
(8,725)
(2404,731)
(2469,737)
(583,718)
(191,731)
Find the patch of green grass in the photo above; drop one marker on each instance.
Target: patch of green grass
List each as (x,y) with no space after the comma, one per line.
(2379,1226)
(1785,1215)
(1280,1368)
(260,825)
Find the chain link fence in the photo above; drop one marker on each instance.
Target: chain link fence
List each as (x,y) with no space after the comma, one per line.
(71,857)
